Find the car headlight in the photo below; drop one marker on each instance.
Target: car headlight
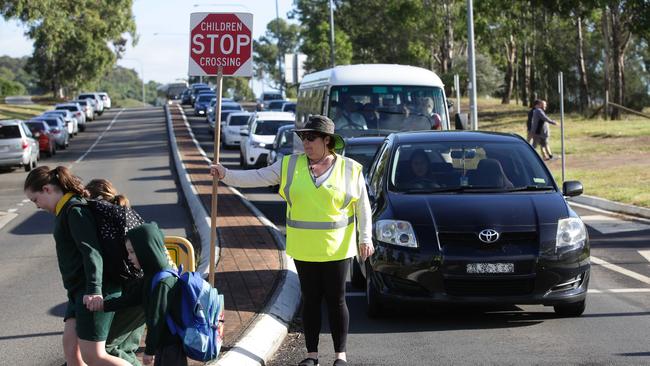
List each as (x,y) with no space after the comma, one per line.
(259,144)
(571,233)
(396,232)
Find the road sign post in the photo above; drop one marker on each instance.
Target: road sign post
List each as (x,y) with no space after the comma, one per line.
(221,44)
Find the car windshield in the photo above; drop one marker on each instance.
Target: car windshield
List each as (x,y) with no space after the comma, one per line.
(271,96)
(231,107)
(86,96)
(269,127)
(366,110)
(52,122)
(35,126)
(363,154)
(457,166)
(286,139)
(70,108)
(238,120)
(9,132)
(276,105)
(289,107)
(203,98)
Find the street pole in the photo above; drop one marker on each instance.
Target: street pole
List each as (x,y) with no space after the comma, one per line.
(332,34)
(215,179)
(560,87)
(277,31)
(472,65)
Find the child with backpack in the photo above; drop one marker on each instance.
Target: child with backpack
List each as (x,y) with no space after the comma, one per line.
(80,259)
(127,327)
(160,298)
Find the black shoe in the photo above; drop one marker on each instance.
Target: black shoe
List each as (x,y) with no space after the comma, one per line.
(309,362)
(340,362)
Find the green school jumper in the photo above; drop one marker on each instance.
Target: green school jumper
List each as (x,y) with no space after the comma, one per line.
(80,263)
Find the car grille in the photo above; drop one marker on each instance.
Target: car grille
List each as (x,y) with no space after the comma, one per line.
(470,239)
(489,287)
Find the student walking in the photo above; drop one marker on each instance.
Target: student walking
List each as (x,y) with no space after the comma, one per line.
(541,132)
(78,251)
(146,248)
(128,324)
(327,205)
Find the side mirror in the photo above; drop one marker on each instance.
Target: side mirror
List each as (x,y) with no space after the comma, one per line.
(243,132)
(572,188)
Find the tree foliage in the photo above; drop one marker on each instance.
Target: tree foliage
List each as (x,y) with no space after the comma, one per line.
(75,42)
(279,39)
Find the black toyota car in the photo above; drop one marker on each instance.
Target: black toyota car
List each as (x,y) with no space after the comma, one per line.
(472,217)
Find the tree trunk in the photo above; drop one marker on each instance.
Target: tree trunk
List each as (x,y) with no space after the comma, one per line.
(606,58)
(525,75)
(620,38)
(447,45)
(511,54)
(584,86)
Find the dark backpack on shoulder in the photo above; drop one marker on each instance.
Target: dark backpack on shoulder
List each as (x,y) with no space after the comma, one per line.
(113,221)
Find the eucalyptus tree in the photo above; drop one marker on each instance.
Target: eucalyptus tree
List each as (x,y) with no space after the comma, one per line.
(76,42)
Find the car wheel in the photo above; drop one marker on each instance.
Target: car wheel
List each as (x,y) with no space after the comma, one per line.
(358,281)
(29,165)
(242,163)
(374,308)
(570,310)
(53,150)
(82,128)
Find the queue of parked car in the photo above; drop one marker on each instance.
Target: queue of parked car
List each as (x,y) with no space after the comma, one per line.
(22,143)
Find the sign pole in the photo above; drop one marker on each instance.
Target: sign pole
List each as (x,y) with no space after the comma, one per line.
(215,180)
(560,86)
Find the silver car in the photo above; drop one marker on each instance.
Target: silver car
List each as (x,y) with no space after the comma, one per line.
(70,120)
(59,131)
(17,145)
(106,99)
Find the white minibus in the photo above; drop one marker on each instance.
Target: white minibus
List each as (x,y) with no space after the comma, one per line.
(374,99)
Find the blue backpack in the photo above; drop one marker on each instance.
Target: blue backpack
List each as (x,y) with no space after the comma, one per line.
(201,326)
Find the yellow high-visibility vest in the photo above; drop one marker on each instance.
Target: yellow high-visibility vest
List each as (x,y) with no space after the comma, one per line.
(320,220)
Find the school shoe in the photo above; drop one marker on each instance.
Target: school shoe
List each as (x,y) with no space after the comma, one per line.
(309,362)
(340,362)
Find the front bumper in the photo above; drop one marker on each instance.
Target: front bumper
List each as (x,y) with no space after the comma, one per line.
(436,279)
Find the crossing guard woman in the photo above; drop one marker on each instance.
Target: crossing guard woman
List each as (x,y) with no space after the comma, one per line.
(327,204)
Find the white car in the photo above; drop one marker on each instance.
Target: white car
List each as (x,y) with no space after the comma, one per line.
(106,99)
(77,111)
(258,137)
(235,123)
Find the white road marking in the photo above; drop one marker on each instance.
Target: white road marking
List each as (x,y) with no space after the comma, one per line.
(645,254)
(20,204)
(98,138)
(26,200)
(621,270)
(609,225)
(619,291)
(6,217)
(12,210)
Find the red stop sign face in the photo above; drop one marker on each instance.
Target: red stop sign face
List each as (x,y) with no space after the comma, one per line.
(221,40)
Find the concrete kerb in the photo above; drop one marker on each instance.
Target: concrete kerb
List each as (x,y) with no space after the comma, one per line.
(267,332)
(611,206)
(200,216)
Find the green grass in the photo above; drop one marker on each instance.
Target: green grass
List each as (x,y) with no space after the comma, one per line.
(126,103)
(12,111)
(610,158)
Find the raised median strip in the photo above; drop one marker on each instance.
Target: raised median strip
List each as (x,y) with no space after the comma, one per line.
(258,280)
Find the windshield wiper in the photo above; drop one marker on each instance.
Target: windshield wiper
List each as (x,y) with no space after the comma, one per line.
(531,188)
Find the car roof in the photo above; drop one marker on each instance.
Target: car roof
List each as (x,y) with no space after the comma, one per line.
(365,140)
(240,113)
(432,136)
(231,103)
(372,74)
(287,116)
(10,122)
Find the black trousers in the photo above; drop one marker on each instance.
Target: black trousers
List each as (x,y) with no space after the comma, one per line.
(318,280)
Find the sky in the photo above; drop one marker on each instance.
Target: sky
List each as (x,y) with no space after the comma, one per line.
(162,51)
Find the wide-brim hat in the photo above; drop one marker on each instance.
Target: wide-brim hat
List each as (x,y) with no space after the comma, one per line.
(324,125)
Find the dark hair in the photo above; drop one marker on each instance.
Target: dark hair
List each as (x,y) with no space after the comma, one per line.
(537,102)
(105,189)
(60,177)
(331,145)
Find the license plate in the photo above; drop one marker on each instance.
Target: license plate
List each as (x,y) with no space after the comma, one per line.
(490,268)
(4,148)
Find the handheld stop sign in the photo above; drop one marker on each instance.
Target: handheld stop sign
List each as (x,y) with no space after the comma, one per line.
(220,44)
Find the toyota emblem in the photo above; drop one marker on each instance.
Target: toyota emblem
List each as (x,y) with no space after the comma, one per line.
(488,236)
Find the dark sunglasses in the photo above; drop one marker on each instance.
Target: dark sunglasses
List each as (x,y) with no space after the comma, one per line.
(310,136)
